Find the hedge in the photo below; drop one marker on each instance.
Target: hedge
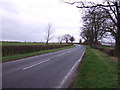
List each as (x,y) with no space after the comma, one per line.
(21,49)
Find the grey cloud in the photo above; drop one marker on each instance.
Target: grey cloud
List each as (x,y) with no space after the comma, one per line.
(29,24)
(15,30)
(8,7)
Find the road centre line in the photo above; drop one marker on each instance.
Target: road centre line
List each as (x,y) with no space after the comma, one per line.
(36,64)
(61,54)
(64,53)
(43,61)
(69,51)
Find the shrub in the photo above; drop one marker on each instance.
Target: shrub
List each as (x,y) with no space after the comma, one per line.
(105,50)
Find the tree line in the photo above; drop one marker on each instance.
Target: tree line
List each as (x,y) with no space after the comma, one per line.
(99,20)
(65,37)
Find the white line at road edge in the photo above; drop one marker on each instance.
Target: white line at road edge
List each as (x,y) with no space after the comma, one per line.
(35,64)
(70,72)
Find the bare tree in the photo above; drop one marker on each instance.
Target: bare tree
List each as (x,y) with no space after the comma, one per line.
(114,16)
(93,29)
(67,37)
(112,7)
(49,33)
(60,39)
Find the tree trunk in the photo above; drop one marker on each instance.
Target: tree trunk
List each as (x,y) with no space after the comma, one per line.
(117,46)
(66,41)
(47,41)
(119,36)
(60,42)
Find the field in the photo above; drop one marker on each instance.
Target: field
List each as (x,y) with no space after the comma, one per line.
(26,43)
(17,50)
(97,71)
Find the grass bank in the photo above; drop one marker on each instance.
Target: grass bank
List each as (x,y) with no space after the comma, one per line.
(19,56)
(97,71)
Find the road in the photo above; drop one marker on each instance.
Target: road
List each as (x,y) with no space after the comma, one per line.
(49,70)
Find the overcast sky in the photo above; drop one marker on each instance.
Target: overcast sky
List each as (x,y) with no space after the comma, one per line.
(27,20)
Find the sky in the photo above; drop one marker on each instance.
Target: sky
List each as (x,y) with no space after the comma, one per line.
(27,20)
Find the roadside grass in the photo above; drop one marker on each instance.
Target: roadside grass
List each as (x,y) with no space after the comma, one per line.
(19,56)
(109,47)
(97,71)
(27,43)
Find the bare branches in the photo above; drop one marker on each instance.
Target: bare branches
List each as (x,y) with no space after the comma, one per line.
(98,5)
(49,33)
(93,30)
(113,10)
(60,39)
(83,4)
(67,37)
(71,3)
(111,17)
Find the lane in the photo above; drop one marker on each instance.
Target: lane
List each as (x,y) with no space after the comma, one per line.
(21,62)
(8,67)
(16,65)
(42,71)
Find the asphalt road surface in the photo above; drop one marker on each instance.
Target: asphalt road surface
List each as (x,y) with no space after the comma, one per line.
(49,70)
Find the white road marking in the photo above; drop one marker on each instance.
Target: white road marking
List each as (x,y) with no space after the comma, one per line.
(70,72)
(35,64)
(64,53)
(61,55)
(69,51)
(41,62)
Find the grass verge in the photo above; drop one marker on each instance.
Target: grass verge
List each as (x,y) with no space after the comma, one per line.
(19,56)
(97,71)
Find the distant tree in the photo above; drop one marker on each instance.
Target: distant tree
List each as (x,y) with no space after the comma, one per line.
(67,37)
(72,39)
(80,41)
(60,39)
(49,33)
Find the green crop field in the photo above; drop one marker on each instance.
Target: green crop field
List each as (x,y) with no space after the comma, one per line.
(27,43)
